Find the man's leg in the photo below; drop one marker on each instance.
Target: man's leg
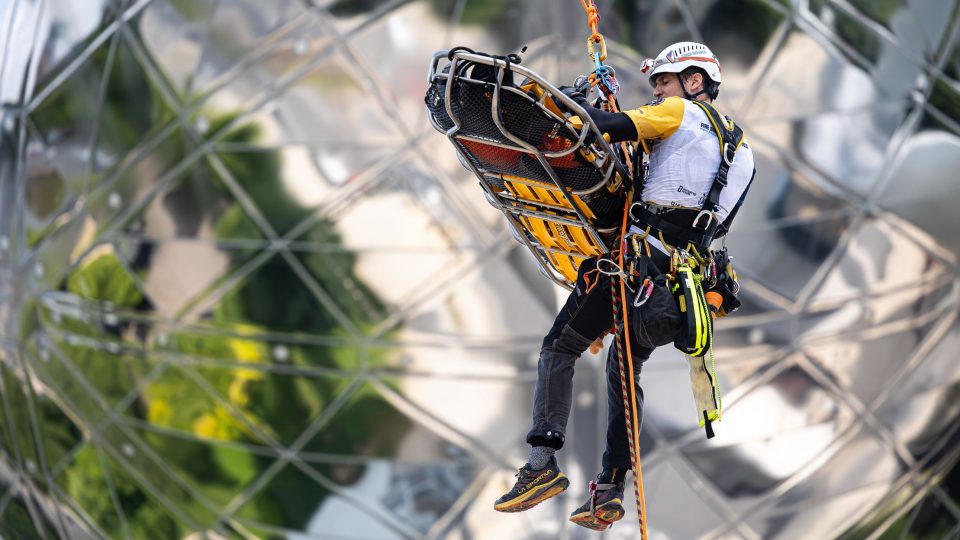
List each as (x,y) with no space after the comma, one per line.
(585,316)
(616,455)
(605,504)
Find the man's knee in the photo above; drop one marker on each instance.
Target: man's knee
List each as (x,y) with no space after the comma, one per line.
(570,342)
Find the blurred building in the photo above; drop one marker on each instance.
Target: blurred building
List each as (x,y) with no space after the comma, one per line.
(247,291)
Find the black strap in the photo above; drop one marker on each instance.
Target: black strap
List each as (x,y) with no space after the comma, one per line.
(674,234)
(688,95)
(730,136)
(708,425)
(484,72)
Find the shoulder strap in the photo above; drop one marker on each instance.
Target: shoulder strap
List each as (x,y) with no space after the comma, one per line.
(730,137)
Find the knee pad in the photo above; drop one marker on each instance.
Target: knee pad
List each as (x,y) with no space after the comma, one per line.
(570,342)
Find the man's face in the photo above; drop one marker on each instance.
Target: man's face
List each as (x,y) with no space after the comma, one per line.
(668,85)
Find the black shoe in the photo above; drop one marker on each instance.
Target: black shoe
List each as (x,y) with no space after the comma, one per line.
(604,506)
(533,487)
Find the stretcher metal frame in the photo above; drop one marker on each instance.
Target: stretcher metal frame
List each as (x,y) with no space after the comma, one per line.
(513,207)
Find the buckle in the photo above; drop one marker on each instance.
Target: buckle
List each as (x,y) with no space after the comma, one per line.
(710,218)
(727,155)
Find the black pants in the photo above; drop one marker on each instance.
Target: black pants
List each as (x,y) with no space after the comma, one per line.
(586,315)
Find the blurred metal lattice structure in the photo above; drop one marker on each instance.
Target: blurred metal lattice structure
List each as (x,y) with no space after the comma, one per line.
(247,291)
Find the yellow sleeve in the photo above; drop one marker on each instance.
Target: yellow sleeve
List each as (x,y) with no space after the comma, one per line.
(659,120)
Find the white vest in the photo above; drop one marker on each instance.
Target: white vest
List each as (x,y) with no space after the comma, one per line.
(682,167)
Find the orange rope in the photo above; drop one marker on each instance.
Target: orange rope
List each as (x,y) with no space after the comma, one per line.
(593,18)
(587,276)
(633,430)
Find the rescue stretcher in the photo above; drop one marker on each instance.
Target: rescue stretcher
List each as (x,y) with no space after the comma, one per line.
(559,183)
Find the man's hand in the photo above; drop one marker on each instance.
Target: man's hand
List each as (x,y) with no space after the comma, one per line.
(571,93)
(578,93)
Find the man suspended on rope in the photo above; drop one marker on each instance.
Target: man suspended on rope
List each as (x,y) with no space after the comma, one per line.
(680,183)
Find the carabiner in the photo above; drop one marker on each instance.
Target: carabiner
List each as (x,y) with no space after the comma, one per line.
(597,38)
(644,293)
(727,156)
(707,213)
(710,274)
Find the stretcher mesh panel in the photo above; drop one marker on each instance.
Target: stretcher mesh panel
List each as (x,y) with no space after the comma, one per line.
(434,101)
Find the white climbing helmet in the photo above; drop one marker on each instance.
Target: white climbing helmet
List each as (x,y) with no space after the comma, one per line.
(682,55)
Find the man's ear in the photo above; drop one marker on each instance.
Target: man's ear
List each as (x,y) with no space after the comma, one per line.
(696,81)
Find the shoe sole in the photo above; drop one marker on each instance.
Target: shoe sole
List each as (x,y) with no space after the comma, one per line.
(535,497)
(601,518)
(609,512)
(590,521)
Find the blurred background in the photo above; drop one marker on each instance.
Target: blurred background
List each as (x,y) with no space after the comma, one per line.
(246,291)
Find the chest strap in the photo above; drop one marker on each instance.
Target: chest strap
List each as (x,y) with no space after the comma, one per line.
(730,137)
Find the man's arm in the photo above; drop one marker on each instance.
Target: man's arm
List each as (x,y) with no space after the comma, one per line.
(656,120)
(617,125)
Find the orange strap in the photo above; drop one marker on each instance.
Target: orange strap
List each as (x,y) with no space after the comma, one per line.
(587,276)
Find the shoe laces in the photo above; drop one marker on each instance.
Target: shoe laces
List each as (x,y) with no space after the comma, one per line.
(524,471)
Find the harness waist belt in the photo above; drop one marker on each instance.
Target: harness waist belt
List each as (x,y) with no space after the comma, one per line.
(676,226)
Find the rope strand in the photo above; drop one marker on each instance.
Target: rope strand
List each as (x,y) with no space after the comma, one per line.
(629,398)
